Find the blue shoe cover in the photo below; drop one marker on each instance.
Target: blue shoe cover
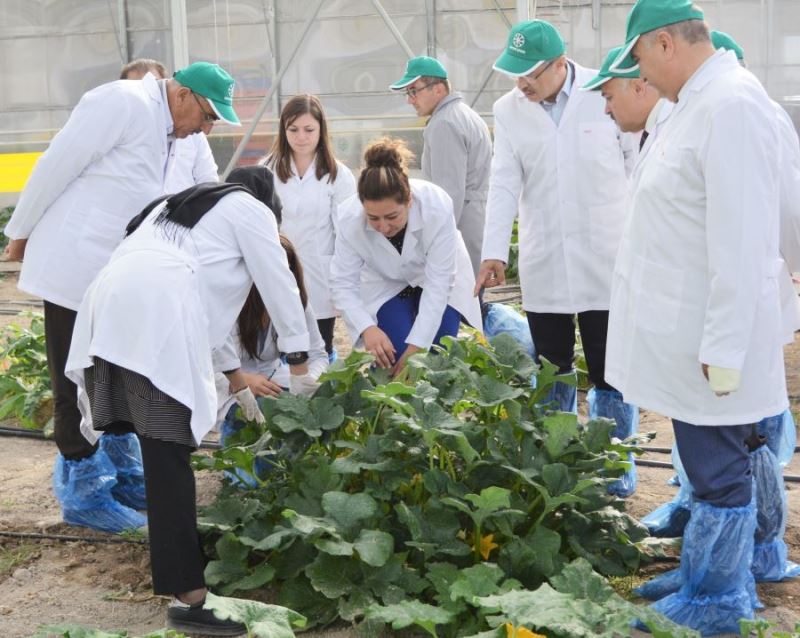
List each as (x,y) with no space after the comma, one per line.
(669,582)
(674,480)
(126,455)
(669,520)
(781,435)
(333,356)
(770,554)
(563,397)
(239,477)
(502,318)
(608,404)
(84,487)
(716,583)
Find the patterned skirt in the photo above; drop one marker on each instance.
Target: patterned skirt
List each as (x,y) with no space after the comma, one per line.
(118,394)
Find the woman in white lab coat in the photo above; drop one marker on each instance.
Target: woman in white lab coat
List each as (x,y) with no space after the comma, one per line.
(401,275)
(311,183)
(255,341)
(146,342)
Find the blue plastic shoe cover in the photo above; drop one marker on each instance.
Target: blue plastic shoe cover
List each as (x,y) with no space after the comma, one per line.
(716,582)
(674,481)
(781,434)
(126,455)
(609,404)
(240,477)
(770,561)
(563,397)
(333,356)
(503,318)
(670,581)
(83,488)
(669,520)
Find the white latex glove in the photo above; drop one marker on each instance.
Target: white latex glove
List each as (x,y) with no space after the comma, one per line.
(302,384)
(723,380)
(247,401)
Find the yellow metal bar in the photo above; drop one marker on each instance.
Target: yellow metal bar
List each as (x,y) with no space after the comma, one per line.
(14,170)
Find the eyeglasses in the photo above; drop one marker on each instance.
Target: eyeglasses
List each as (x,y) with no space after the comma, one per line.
(412,93)
(208,118)
(532,78)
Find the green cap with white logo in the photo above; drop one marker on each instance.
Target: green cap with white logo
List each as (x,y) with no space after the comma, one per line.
(722,40)
(215,84)
(649,15)
(605,73)
(420,67)
(530,44)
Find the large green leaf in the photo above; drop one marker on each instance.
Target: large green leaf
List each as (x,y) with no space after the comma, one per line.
(561,428)
(374,547)
(333,576)
(411,612)
(261,620)
(348,510)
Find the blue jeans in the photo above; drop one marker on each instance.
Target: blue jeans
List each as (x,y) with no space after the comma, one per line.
(396,317)
(717,462)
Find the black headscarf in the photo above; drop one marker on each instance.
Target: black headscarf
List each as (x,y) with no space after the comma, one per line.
(261,183)
(188,207)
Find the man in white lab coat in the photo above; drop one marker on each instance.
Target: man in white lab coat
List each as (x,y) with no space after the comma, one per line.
(457,147)
(106,163)
(190,159)
(695,323)
(561,164)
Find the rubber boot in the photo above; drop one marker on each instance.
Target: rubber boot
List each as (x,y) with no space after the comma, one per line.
(770,562)
(669,520)
(126,455)
(608,404)
(83,488)
(716,584)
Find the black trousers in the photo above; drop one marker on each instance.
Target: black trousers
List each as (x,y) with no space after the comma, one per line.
(59,323)
(554,339)
(177,561)
(326,331)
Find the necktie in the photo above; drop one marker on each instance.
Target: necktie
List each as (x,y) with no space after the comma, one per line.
(643,139)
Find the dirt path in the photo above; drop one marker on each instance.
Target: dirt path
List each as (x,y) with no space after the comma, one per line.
(108,586)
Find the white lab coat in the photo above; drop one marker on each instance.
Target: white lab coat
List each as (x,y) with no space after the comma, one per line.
(190,162)
(569,185)
(99,171)
(309,222)
(696,279)
(367,270)
(161,307)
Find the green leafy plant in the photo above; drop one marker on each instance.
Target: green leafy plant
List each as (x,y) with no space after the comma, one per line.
(764,629)
(5,216)
(25,391)
(512,268)
(400,501)
(77,631)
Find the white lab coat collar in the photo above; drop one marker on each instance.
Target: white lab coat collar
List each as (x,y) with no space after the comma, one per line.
(311,170)
(413,230)
(721,62)
(169,123)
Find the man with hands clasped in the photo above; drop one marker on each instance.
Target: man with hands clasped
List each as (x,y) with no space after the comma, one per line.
(695,323)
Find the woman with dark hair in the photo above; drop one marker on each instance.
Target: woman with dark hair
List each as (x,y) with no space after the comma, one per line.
(311,183)
(255,341)
(148,337)
(401,274)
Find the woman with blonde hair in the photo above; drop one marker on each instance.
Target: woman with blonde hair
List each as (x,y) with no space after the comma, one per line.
(401,275)
(311,183)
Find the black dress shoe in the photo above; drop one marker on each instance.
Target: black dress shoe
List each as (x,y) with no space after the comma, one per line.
(193,620)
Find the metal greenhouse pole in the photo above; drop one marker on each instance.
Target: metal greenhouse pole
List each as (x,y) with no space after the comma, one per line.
(275,82)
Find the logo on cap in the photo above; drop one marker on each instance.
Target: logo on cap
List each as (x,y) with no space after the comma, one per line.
(519,41)
(230,91)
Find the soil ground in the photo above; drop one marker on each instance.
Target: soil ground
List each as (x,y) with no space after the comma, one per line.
(107,586)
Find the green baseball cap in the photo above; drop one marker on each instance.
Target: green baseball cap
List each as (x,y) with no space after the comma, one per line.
(529,45)
(605,73)
(648,15)
(420,67)
(213,83)
(722,40)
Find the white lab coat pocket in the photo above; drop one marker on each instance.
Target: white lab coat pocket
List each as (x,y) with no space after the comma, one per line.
(598,141)
(98,233)
(659,297)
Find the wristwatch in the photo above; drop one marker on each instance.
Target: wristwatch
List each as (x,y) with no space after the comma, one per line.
(296,358)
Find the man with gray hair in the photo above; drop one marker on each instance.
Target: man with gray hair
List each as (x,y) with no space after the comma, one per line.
(190,159)
(693,328)
(457,147)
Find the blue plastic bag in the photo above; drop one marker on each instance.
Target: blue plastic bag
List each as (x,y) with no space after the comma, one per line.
(502,318)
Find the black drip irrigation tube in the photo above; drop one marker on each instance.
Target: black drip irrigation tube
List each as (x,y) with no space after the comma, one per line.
(68,538)
(38,434)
